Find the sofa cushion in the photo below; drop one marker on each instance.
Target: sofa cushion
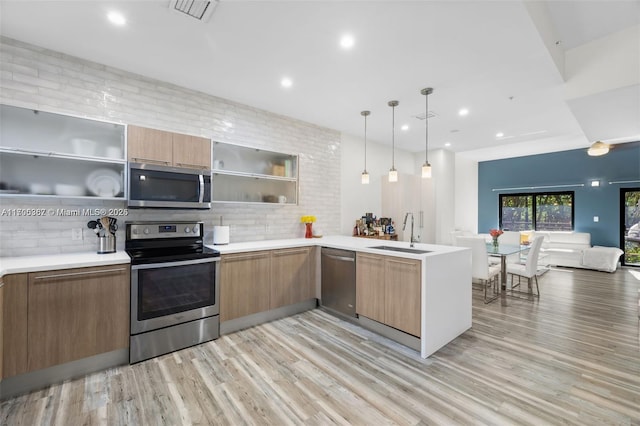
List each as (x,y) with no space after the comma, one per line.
(561,238)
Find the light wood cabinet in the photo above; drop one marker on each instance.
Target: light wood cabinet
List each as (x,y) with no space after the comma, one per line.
(149,146)
(1,328)
(370,286)
(76,313)
(155,146)
(402,294)
(388,290)
(291,276)
(14,319)
(244,284)
(191,151)
(253,282)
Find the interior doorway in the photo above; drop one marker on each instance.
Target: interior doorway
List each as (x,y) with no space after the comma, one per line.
(630,226)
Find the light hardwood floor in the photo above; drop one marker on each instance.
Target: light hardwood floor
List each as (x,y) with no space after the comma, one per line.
(571,357)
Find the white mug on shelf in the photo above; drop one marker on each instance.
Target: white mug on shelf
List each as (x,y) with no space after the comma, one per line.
(282,199)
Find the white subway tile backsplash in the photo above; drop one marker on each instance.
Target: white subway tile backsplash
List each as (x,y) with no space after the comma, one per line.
(34,77)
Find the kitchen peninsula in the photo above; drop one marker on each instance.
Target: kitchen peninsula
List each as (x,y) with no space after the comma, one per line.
(445,283)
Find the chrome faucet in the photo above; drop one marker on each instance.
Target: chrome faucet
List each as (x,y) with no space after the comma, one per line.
(404,225)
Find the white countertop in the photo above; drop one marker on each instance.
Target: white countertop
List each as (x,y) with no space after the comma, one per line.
(339,242)
(15,265)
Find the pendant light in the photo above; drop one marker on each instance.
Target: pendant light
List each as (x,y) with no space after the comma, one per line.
(598,148)
(365,174)
(426,167)
(393,173)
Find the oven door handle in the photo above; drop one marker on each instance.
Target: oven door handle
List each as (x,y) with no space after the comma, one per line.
(201,187)
(174,264)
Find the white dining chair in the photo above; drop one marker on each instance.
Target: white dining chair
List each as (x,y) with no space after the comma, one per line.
(528,269)
(481,270)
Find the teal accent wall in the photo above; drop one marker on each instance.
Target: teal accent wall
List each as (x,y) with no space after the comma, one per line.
(622,163)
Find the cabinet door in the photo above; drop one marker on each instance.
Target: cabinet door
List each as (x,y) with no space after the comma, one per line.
(291,276)
(14,319)
(402,294)
(1,328)
(191,151)
(370,285)
(149,146)
(77,313)
(244,284)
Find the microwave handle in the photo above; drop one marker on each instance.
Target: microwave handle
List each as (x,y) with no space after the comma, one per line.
(201,181)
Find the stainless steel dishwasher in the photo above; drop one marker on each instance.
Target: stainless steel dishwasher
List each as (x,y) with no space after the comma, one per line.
(339,281)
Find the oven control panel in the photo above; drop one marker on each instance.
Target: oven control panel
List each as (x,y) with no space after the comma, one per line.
(151,230)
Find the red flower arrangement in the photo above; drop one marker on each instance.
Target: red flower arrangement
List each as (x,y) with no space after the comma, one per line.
(495,233)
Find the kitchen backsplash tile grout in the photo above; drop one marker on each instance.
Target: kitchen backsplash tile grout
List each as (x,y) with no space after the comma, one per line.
(34,77)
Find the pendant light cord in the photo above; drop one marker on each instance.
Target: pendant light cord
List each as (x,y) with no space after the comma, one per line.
(426,92)
(365,142)
(393,137)
(426,129)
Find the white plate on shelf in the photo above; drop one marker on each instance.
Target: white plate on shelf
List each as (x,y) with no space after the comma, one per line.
(104,183)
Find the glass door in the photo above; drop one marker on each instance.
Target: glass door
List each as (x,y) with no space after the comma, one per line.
(630,226)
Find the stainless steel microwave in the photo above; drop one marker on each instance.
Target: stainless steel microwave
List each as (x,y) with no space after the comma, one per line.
(156,186)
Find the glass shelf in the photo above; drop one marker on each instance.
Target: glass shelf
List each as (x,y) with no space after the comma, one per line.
(250,175)
(22,174)
(39,131)
(53,155)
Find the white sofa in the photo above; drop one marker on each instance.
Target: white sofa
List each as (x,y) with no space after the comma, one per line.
(573,249)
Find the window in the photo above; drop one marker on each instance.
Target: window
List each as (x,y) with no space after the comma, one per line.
(548,211)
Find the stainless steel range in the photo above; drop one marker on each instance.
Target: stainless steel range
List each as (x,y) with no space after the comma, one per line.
(174,288)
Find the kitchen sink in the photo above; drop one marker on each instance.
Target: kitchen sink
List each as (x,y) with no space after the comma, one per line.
(402,249)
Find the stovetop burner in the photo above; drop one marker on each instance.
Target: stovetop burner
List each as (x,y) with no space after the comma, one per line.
(159,242)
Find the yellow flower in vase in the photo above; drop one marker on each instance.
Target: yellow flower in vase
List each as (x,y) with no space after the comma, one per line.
(308,221)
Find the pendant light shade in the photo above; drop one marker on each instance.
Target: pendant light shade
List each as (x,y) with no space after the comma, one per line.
(393,173)
(426,167)
(365,175)
(598,148)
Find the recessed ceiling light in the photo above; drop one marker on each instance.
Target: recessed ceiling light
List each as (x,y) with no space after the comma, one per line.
(499,135)
(404,127)
(116,18)
(463,112)
(347,41)
(286,82)
(447,144)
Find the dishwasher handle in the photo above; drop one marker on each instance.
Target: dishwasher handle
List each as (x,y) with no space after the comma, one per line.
(344,258)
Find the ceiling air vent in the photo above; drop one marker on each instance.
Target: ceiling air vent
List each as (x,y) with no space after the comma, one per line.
(198,9)
(421,116)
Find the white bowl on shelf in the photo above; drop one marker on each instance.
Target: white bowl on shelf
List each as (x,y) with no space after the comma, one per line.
(84,147)
(40,189)
(70,190)
(113,152)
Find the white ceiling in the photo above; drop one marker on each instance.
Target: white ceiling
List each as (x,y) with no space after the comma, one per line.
(487,56)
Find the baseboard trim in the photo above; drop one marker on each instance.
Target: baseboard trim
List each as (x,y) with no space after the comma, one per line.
(23,383)
(390,333)
(237,324)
